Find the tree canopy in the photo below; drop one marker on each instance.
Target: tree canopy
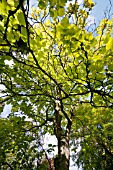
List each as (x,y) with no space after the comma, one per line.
(56,71)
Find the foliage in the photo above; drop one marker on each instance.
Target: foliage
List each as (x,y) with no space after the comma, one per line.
(19,148)
(93,135)
(51,65)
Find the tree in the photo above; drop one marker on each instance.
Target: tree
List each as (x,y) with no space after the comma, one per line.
(19,149)
(51,64)
(93,134)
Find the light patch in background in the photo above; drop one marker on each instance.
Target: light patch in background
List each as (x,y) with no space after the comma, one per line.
(49,139)
(10,63)
(80,1)
(6,111)
(7,108)
(73,1)
(90,20)
(2,87)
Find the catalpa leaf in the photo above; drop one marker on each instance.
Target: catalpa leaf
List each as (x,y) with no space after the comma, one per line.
(61,12)
(20,17)
(65,21)
(10,2)
(109,45)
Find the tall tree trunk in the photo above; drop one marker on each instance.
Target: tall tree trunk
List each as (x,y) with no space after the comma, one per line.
(63,158)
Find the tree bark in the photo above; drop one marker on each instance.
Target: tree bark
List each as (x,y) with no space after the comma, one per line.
(63,158)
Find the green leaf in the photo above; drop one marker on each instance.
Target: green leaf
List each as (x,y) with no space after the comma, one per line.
(24,33)
(20,18)
(10,36)
(50,145)
(3,7)
(11,2)
(65,21)
(109,45)
(60,12)
(41,4)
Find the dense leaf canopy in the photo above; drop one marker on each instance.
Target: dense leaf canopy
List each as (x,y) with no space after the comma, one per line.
(58,77)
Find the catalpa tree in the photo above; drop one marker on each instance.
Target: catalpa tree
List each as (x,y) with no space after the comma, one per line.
(50,64)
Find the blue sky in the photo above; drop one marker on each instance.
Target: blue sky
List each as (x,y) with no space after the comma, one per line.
(99,8)
(98,11)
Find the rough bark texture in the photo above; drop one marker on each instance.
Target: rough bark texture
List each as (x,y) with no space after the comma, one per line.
(61,163)
(62,160)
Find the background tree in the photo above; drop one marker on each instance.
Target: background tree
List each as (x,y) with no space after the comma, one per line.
(93,135)
(19,147)
(51,64)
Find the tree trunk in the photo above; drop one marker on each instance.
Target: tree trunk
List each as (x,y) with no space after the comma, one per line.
(61,162)
(63,158)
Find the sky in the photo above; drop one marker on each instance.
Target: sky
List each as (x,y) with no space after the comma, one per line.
(96,15)
(100,7)
(98,10)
